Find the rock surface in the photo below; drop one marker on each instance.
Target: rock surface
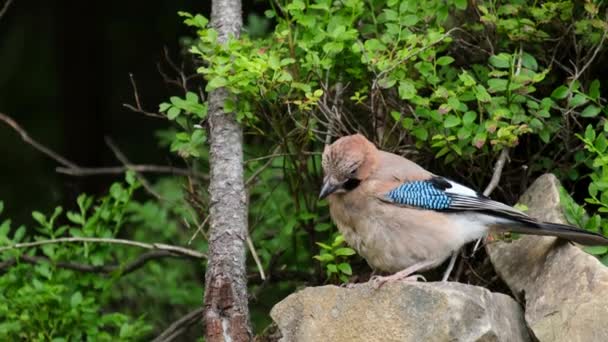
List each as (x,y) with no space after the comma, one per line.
(565,290)
(400,312)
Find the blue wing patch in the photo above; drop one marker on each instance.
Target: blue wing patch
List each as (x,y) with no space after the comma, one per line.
(422,194)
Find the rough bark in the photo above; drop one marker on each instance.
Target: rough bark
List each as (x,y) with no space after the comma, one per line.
(226,315)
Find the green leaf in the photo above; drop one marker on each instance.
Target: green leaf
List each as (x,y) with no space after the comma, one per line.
(409,20)
(130,177)
(344,251)
(594,89)
(216,82)
(44,270)
(560,92)
(591,111)
(345,268)
(163,106)
(192,97)
(445,60)
(578,100)
(326,257)
(407,90)
(173,113)
(322,227)
(482,94)
(501,61)
(75,217)
(467,79)
(536,124)
(338,240)
(469,118)
(19,234)
(39,217)
(76,299)
(545,136)
(596,250)
(4,229)
(324,246)
(497,84)
(590,133)
(460,4)
(528,61)
(451,121)
(421,133)
(332,48)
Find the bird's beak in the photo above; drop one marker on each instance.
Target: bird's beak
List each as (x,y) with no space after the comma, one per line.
(328,188)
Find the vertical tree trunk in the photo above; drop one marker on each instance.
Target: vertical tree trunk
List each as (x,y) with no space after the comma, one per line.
(226,316)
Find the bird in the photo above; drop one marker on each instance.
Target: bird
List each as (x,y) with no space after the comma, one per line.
(403,219)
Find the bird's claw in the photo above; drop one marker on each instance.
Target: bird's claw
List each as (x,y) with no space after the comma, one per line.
(349,285)
(379,281)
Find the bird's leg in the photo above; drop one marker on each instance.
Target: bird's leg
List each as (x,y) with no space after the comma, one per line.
(403,275)
(450,266)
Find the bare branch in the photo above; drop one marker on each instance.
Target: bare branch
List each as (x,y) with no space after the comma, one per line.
(151,246)
(500,164)
(180,326)
(92,171)
(199,229)
(103,269)
(262,168)
(123,159)
(256,258)
(7,4)
(138,107)
(70,168)
(593,55)
(25,137)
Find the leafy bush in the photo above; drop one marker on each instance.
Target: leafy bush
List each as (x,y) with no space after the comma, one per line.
(49,301)
(456,82)
(450,84)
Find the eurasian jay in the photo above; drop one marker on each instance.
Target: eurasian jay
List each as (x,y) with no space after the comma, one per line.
(402,218)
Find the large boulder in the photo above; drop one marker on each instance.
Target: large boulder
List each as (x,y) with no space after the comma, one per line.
(565,290)
(400,312)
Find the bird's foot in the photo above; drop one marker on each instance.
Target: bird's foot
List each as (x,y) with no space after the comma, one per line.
(379,281)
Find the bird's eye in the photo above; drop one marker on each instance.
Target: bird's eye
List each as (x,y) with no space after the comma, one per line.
(351,184)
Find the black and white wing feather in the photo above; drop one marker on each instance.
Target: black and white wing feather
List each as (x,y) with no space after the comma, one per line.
(441,194)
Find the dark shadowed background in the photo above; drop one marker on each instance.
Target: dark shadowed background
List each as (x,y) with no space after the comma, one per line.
(64,76)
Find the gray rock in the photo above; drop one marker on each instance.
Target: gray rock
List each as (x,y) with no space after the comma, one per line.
(400,312)
(564,289)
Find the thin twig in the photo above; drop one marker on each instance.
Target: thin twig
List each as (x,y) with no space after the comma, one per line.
(139,108)
(25,137)
(104,269)
(180,326)
(500,164)
(595,52)
(151,246)
(504,154)
(262,168)
(123,159)
(199,229)
(256,258)
(70,168)
(7,4)
(92,171)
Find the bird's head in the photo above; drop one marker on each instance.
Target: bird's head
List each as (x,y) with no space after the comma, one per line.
(347,162)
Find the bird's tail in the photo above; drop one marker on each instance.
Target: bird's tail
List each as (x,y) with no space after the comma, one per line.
(533,227)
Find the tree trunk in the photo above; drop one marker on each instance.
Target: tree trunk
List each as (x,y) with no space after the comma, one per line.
(226,315)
